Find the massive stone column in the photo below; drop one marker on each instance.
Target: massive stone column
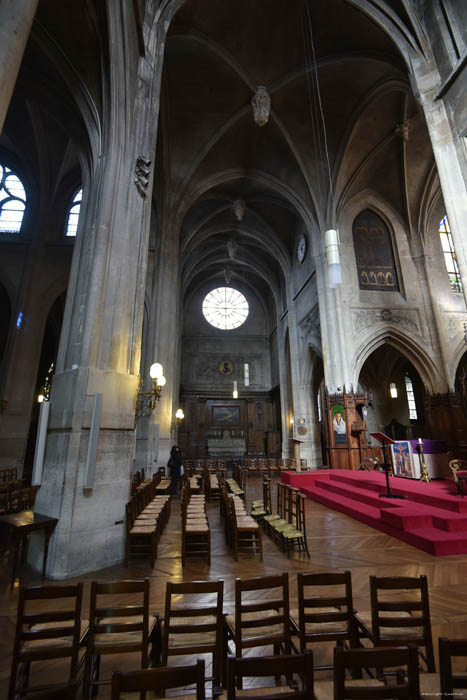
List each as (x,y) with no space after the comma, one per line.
(163,345)
(100,346)
(16,18)
(449,153)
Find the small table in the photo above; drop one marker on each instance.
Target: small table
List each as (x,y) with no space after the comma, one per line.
(21,525)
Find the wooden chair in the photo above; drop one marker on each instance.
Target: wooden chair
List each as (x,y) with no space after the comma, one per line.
(115,628)
(458,469)
(193,623)
(450,680)
(295,535)
(325,611)
(140,536)
(262,507)
(159,680)
(246,533)
(261,614)
(403,684)
(400,614)
(300,665)
(45,631)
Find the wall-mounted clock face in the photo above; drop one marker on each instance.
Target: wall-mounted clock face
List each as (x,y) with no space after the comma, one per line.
(301,249)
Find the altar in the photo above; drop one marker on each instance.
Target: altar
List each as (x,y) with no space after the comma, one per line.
(226,443)
(406,459)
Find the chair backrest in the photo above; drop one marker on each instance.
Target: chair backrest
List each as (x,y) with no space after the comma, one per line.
(193,620)
(160,680)
(267,495)
(454,466)
(269,614)
(450,678)
(325,608)
(398,603)
(274,666)
(404,684)
(62,692)
(107,616)
(49,617)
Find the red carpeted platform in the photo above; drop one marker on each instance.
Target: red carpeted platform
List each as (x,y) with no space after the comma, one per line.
(432,517)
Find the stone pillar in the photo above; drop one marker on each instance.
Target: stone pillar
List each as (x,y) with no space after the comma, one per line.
(449,168)
(302,399)
(101,336)
(16,18)
(163,345)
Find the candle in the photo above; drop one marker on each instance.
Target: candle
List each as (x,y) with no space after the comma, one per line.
(420,441)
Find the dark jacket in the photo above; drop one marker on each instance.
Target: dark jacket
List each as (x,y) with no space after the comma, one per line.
(174,463)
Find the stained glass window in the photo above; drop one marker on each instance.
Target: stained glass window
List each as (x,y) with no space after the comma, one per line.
(12,201)
(450,256)
(225,308)
(73,214)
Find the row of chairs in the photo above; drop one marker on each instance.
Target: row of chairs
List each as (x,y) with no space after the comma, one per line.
(196,535)
(287,526)
(10,474)
(242,532)
(146,515)
(294,677)
(49,627)
(14,499)
(194,622)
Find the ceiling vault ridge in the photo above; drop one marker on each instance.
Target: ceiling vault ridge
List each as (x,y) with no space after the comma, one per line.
(265,179)
(390,22)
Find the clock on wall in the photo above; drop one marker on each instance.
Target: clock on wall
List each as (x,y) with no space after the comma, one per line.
(301,248)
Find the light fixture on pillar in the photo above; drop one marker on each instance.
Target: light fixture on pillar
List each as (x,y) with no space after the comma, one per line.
(146,401)
(235,391)
(393,390)
(331,244)
(179,416)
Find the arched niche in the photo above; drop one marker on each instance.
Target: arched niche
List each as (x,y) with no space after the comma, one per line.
(48,358)
(385,366)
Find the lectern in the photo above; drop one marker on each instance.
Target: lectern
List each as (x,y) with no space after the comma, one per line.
(296,444)
(386,440)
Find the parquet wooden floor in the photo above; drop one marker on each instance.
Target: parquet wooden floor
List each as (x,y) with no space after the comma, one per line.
(336,542)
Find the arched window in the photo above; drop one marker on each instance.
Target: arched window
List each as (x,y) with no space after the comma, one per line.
(12,201)
(73,214)
(413,415)
(450,255)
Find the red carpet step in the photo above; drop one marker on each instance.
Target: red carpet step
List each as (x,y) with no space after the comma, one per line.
(432,517)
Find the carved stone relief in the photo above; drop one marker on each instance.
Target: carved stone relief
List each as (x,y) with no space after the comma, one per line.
(261,103)
(365,318)
(310,324)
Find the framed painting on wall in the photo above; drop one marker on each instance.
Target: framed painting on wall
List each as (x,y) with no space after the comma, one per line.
(228,416)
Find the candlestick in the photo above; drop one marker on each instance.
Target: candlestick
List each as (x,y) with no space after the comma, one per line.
(423,470)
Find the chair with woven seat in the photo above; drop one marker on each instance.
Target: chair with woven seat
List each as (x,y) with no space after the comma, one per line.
(261,614)
(401,682)
(115,628)
(246,533)
(48,627)
(193,623)
(325,611)
(287,666)
(161,679)
(400,614)
(295,535)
